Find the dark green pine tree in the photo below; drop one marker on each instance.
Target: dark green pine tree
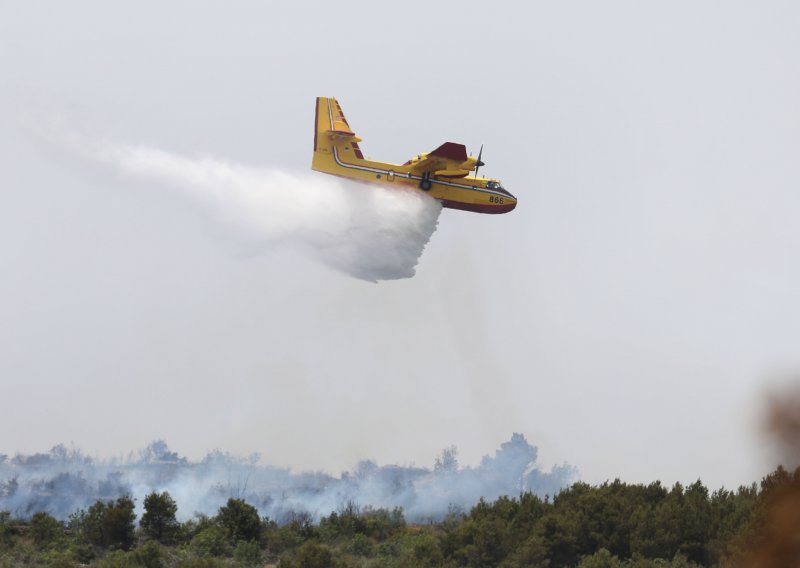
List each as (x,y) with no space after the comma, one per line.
(158,520)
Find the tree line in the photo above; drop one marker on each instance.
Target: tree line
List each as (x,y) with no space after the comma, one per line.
(611,525)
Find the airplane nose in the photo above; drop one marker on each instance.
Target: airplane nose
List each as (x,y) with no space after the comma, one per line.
(511,201)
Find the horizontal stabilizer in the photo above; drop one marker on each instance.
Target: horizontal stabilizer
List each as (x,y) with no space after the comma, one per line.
(343,135)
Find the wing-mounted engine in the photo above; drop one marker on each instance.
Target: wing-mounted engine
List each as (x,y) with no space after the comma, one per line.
(459,171)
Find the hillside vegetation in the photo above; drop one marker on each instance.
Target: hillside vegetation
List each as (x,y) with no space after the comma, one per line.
(610,525)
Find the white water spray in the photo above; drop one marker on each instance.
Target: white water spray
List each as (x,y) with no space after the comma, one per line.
(369,232)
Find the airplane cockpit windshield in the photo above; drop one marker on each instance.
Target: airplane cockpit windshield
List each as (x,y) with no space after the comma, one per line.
(497,186)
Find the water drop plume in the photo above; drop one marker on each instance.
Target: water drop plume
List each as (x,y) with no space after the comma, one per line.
(366,231)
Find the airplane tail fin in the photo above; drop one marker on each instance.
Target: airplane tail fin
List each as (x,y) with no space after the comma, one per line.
(331,129)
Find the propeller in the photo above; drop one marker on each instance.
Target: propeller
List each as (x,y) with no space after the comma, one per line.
(478,164)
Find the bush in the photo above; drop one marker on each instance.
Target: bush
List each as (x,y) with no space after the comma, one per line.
(389,549)
(600,559)
(248,552)
(83,553)
(5,530)
(309,555)
(45,530)
(201,563)
(283,538)
(240,520)
(360,545)
(57,559)
(149,555)
(158,521)
(381,523)
(117,559)
(108,525)
(426,552)
(212,541)
(186,531)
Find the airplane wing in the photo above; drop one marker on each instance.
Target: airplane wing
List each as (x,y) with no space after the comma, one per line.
(450,151)
(448,160)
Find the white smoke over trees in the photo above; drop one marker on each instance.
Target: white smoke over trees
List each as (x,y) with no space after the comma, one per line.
(64,480)
(369,232)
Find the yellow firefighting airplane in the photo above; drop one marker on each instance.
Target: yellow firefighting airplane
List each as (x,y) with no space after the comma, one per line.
(441,173)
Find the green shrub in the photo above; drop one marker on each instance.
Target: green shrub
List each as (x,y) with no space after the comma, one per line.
(158,521)
(201,563)
(360,545)
(45,530)
(149,555)
(108,525)
(117,559)
(283,538)
(390,548)
(310,555)
(212,541)
(426,551)
(82,553)
(240,519)
(600,559)
(57,559)
(248,552)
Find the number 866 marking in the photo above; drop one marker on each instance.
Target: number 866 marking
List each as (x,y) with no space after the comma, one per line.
(495,199)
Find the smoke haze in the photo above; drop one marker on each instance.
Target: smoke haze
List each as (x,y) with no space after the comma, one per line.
(64,480)
(641,292)
(369,232)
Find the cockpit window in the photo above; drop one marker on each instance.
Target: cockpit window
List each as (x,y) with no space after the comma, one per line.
(497,186)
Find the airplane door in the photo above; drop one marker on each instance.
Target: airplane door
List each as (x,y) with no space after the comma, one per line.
(390,176)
